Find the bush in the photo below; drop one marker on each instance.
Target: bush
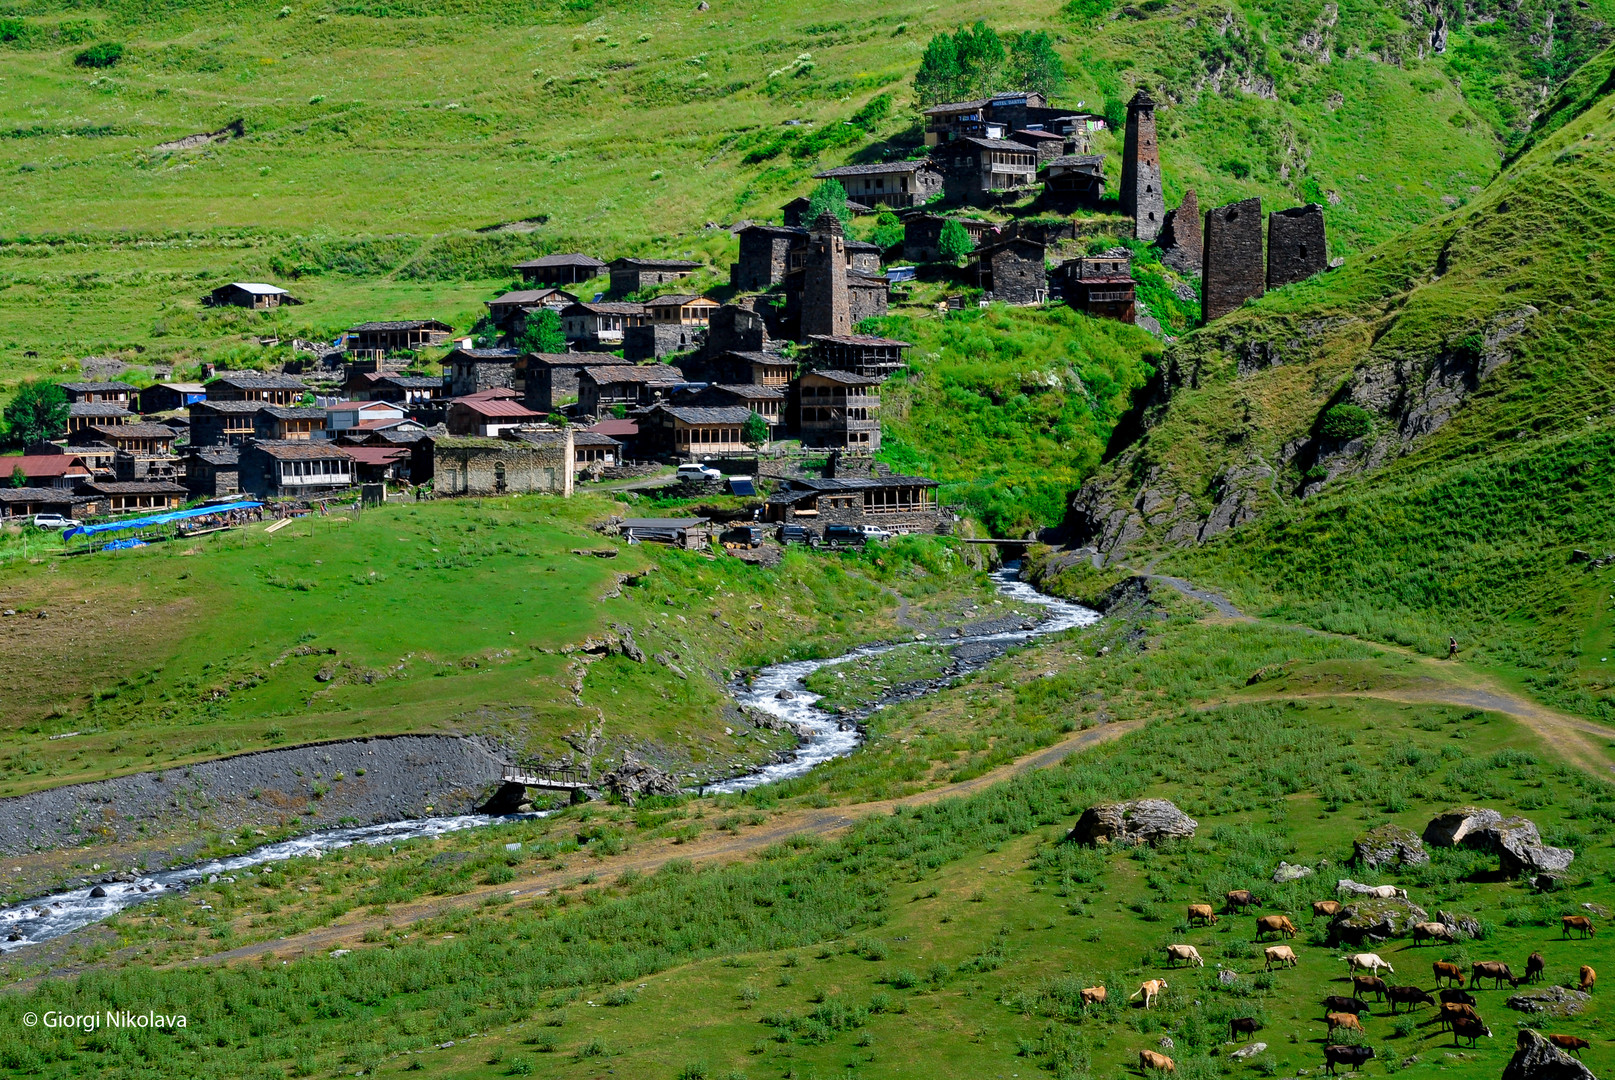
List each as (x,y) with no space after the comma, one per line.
(100,55)
(1346,421)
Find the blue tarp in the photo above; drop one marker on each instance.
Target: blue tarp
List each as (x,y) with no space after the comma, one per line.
(157,519)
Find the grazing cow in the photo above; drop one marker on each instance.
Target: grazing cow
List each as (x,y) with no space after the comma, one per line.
(1202,914)
(1534,967)
(1353,1057)
(1345,1020)
(1569,1042)
(1445,970)
(1451,1012)
(1407,995)
(1380,892)
(1588,977)
(1495,970)
(1239,899)
(1344,1004)
(1093,995)
(1150,989)
(1185,952)
(1369,962)
(1149,1059)
(1274,924)
(1327,908)
(1431,931)
(1247,1026)
(1579,922)
(1279,954)
(1363,985)
(1457,997)
(1469,1029)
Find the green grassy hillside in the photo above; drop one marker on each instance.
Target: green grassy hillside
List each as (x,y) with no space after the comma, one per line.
(379,137)
(1476,349)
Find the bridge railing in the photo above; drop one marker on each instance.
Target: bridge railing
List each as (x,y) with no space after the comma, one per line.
(571,775)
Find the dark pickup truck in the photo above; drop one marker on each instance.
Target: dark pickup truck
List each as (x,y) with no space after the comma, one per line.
(743,536)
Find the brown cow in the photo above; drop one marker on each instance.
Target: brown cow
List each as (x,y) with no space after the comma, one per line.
(1274,924)
(1327,908)
(1279,954)
(1363,985)
(1495,970)
(1445,970)
(1239,899)
(1569,1042)
(1534,967)
(1579,922)
(1149,1059)
(1588,977)
(1450,1012)
(1093,995)
(1431,931)
(1345,1020)
(1244,1025)
(1150,989)
(1202,913)
(1469,1029)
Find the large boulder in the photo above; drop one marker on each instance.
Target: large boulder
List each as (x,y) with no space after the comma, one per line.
(1535,1058)
(1520,849)
(1453,827)
(1288,872)
(1371,920)
(1147,821)
(1390,845)
(1461,925)
(1551,1000)
(633,780)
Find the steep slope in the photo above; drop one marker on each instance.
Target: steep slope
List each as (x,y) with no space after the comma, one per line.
(1416,445)
(377,139)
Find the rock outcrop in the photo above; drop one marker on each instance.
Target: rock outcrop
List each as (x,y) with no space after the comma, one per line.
(1535,1058)
(1290,872)
(1515,841)
(634,779)
(1147,821)
(1464,925)
(1389,845)
(1551,1001)
(1453,827)
(1373,919)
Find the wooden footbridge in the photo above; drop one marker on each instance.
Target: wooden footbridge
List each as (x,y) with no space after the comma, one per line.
(569,778)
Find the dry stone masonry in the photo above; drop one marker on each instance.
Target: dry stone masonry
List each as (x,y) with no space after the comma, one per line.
(1296,245)
(1141,195)
(1231,258)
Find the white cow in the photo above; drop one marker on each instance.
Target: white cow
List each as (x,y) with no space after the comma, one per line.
(1185,952)
(1367,961)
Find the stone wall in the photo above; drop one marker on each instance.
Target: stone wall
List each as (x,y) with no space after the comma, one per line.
(865,299)
(1181,240)
(1296,245)
(762,260)
(1019,276)
(476,466)
(1231,258)
(826,308)
(656,340)
(1141,196)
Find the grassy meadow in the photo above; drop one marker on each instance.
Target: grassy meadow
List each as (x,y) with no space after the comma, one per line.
(947,936)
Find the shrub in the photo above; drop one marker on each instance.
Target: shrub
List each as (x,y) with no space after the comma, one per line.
(100,55)
(1346,421)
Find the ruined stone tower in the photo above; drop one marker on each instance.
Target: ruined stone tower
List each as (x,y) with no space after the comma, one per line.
(1232,258)
(1142,198)
(1297,246)
(1181,240)
(826,307)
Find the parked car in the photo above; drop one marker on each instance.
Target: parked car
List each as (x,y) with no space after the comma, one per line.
(697,470)
(743,536)
(798,534)
(55,521)
(854,534)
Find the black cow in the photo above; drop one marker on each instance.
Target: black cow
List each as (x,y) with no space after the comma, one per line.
(1450,996)
(1244,1025)
(1407,995)
(1355,1006)
(1353,1057)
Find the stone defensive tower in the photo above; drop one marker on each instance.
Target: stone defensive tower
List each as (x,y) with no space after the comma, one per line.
(1181,240)
(1297,246)
(1141,195)
(826,307)
(1231,261)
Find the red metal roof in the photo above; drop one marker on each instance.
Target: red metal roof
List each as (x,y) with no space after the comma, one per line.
(33,465)
(498,407)
(377,455)
(615,428)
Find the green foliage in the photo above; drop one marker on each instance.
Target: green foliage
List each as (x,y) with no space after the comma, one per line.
(36,412)
(18,477)
(968,64)
(1033,63)
(888,231)
(101,55)
(1346,421)
(828,198)
(877,109)
(541,333)
(754,432)
(1086,12)
(953,244)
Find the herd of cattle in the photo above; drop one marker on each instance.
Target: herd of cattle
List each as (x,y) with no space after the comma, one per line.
(1457,1010)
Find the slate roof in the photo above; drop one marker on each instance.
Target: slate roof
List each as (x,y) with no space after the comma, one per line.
(609,308)
(880,168)
(571,259)
(593,438)
(217,455)
(401,324)
(697,414)
(845,378)
(280,412)
(410,382)
(95,387)
(751,391)
(996,144)
(528,296)
(135,487)
(640,373)
(135,431)
(253,380)
(503,356)
(1078,161)
(676,300)
(859,339)
(97,408)
(229,406)
(656,264)
(301,450)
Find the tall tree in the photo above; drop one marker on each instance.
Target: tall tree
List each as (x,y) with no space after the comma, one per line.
(754,432)
(18,477)
(981,59)
(1033,63)
(953,244)
(829,197)
(541,333)
(37,412)
(940,78)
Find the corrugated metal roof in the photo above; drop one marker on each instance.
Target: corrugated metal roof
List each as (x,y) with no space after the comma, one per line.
(301,450)
(614,427)
(507,407)
(258,288)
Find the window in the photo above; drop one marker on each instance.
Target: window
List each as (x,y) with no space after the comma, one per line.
(499,476)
